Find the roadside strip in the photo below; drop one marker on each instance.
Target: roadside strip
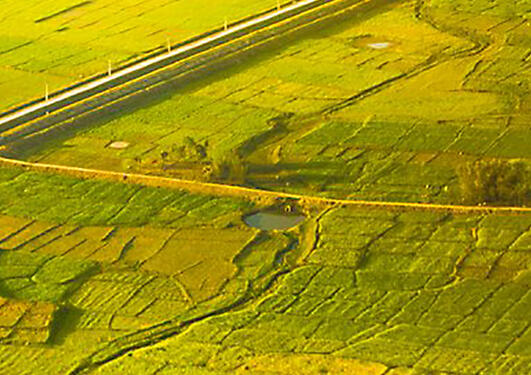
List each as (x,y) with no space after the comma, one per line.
(245,192)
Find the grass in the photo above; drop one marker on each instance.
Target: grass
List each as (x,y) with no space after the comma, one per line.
(59,43)
(422,107)
(133,279)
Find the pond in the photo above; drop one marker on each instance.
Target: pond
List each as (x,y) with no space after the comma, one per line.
(119,145)
(273,220)
(380,45)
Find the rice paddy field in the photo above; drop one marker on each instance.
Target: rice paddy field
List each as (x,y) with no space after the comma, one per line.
(387,104)
(61,42)
(353,110)
(146,290)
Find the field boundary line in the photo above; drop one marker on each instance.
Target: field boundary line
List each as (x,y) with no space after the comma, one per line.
(218,189)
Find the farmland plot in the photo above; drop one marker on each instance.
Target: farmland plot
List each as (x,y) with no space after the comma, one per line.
(60,199)
(76,277)
(108,278)
(350,290)
(414,292)
(61,42)
(355,288)
(355,110)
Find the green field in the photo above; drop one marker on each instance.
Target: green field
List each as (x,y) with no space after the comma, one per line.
(62,42)
(103,260)
(392,289)
(387,104)
(350,290)
(354,110)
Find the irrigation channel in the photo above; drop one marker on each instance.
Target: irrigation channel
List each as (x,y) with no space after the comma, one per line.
(106,88)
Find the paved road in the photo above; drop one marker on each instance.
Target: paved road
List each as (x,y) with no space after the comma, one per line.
(35,111)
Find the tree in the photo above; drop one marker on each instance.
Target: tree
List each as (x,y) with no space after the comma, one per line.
(230,168)
(495,181)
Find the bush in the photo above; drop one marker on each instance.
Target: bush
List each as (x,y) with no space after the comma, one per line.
(494,182)
(229,169)
(190,150)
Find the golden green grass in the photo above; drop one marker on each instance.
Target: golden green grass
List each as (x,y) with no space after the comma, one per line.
(355,110)
(62,42)
(118,278)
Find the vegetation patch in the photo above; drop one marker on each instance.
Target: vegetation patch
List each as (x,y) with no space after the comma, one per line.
(496,183)
(119,278)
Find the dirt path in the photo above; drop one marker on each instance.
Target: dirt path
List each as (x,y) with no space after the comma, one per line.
(245,192)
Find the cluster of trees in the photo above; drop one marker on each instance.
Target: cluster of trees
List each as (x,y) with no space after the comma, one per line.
(229,168)
(495,182)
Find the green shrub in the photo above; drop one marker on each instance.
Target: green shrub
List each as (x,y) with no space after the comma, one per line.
(494,182)
(229,169)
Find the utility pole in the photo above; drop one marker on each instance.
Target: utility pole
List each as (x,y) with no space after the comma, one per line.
(226,24)
(109,68)
(46,95)
(278,4)
(168,44)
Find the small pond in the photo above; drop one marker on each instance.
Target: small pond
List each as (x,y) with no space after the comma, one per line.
(380,45)
(273,220)
(119,145)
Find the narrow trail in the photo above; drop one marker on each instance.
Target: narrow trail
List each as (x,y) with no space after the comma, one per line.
(246,192)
